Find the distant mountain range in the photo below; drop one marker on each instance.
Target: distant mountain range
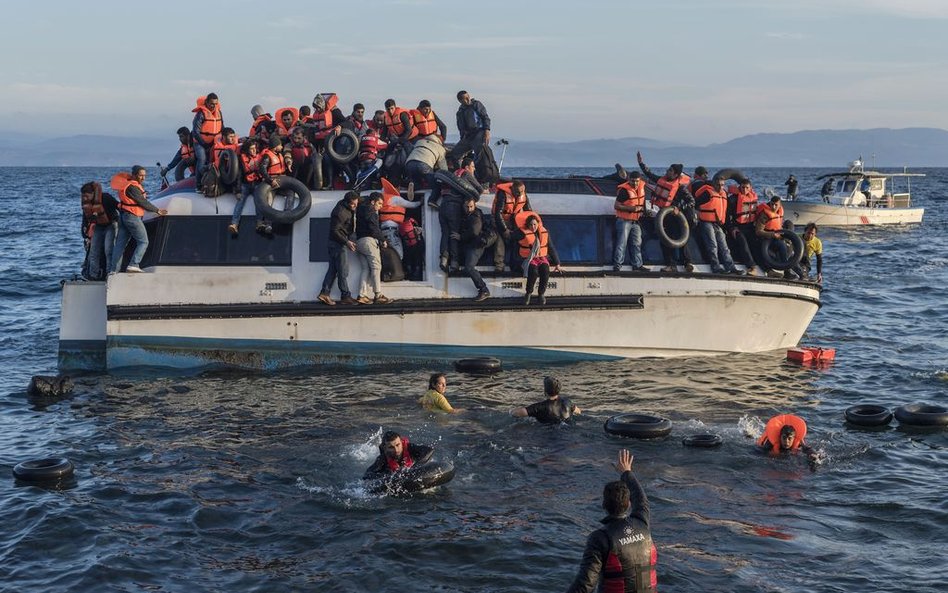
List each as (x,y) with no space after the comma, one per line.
(883,147)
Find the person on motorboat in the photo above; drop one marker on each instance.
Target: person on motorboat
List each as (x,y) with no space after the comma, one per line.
(434,400)
(741,216)
(451,214)
(769,225)
(227,141)
(302,152)
(671,190)
(398,124)
(205,128)
(393,212)
(377,122)
(249,178)
(812,247)
(100,217)
(553,410)
(287,118)
(827,190)
(327,119)
(272,164)
(629,207)
(396,453)
(473,126)
(510,200)
(791,184)
(427,123)
(263,124)
(369,241)
(785,433)
(355,121)
(185,152)
(340,245)
(426,157)
(306,113)
(620,555)
(537,254)
(133,202)
(711,202)
(795,272)
(476,235)
(699,178)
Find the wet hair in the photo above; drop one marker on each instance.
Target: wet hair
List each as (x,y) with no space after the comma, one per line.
(615,498)
(551,385)
(305,110)
(211,96)
(434,379)
(136,169)
(461,94)
(810,225)
(389,103)
(351,195)
(183,130)
(226,131)
(787,430)
(467,161)
(358,106)
(424,103)
(389,436)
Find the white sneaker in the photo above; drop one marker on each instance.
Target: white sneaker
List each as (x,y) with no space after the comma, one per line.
(133,269)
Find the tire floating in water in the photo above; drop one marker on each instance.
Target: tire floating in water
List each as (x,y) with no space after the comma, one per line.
(638,426)
(51,469)
(420,476)
(868,415)
(922,415)
(706,441)
(484,365)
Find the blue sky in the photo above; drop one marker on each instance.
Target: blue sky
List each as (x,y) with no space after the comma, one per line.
(688,71)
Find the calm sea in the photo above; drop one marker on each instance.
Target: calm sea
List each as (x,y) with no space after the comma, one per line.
(233,481)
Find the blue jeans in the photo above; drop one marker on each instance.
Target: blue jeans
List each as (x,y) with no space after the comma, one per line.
(472,255)
(130,226)
(418,172)
(200,160)
(338,269)
(103,240)
(715,243)
(624,230)
(246,192)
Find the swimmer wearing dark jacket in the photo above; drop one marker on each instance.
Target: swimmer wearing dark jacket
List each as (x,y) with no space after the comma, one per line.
(396,453)
(553,410)
(620,555)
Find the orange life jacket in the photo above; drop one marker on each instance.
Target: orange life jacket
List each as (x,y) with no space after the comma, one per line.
(213,121)
(424,126)
(256,128)
(394,124)
(220,147)
(370,146)
(774,217)
(277,166)
(511,206)
(301,152)
(323,119)
(636,199)
(715,209)
(745,206)
(390,211)
(187,152)
(120,183)
(92,208)
(278,119)
(250,166)
(530,237)
(772,431)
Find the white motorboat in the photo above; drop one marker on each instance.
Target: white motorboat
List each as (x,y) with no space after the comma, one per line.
(207,298)
(858,198)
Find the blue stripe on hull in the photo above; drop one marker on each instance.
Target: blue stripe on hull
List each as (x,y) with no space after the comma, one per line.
(183,353)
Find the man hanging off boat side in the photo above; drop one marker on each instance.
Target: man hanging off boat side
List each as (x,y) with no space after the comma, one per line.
(671,190)
(185,153)
(133,202)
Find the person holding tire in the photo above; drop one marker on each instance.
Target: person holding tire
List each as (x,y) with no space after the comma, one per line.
(620,555)
(396,453)
(741,216)
(271,165)
(671,190)
(249,178)
(553,410)
(769,225)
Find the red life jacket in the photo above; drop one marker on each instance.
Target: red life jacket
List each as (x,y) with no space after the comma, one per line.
(277,166)
(220,147)
(406,460)
(773,217)
(301,152)
(213,121)
(92,208)
(256,128)
(370,146)
(530,237)
(424,126)
(511,205)
(121,182)
(323,119)
(395,126)
(250,166)
(409,232)
(390,211)
(715,209)
(187,152)
(636,199)
(745,206)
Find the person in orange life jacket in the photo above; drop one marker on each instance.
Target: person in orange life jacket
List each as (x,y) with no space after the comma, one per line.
(509,200)
(302,153)
(768,224)
(226,141)
(340,244)
(700,178)
(185,152)
(473,126)
(392,214)
(369,241)
(537,252)
(396,453)
(263,124)
(398,124)
(476,235)
(630,208)
(326,119)
(99,225)
(247,182)
(711,202)
(620,555)
(271,165)
(205,129)
(741,215)
(789,432)
(672,190)
(427,122)
(553,410)
(133,202)
(287,118)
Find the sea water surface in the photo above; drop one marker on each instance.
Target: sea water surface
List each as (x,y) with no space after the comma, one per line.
(234,481)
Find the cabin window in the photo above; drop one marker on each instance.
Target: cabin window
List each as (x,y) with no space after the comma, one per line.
(204,241)
(579,239)
(319,239)
(848,187)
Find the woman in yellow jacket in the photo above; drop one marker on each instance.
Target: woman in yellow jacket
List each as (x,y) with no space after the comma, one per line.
(433,400)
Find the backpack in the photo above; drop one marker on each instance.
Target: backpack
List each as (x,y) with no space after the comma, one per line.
(485,167)
(211,182)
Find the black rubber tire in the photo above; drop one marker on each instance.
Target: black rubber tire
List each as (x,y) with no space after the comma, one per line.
(769,262)
(638,426)
(420,476)
(922,415)
(868,415)
(180,170)
(264,193)
(706,441)
(337,155)
(51,469)
(663,214)
(229,167)
(481,365)
(733,174)
(461,186)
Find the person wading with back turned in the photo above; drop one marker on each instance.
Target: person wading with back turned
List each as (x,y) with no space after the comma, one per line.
(553,410)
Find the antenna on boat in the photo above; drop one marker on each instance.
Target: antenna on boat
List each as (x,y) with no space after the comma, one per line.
(504,142)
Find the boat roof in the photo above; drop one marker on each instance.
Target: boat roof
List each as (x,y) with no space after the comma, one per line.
(870,174)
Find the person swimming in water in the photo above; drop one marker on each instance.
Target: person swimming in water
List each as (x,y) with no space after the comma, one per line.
(434,400)
(553,410)
(785,434)
(396,453)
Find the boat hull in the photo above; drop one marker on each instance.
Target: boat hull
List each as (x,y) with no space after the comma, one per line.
(834,215)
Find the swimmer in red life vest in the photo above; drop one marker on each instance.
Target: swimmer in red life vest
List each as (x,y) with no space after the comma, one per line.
(396,453)
(785,433)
